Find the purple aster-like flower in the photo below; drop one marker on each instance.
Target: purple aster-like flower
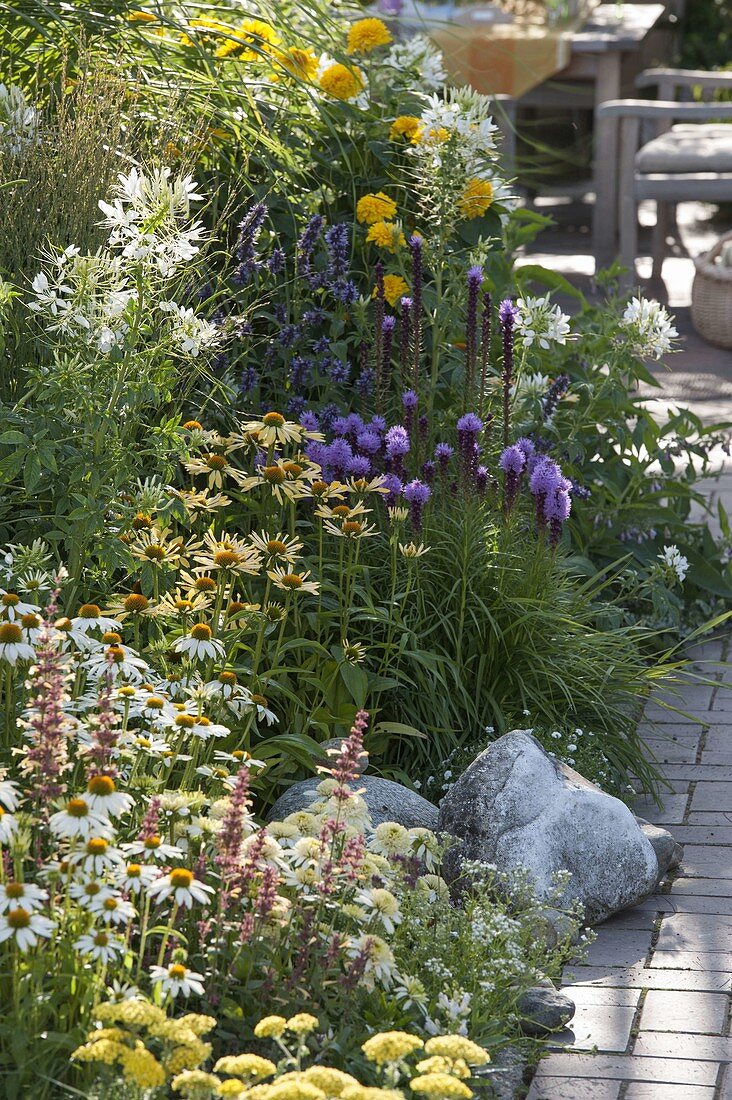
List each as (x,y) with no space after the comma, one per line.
(339,425)
(339,371)
(417,494)
(360,466)
(377,424)
(394,485)
(309,421)
(368,441)
(355,423)
(409,399)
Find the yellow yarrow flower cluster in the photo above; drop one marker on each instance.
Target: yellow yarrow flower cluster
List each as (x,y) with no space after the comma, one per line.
(375,207)
(405,126)
(476,198)
(366,35)
(457,1046)
(458,1067)
(390,1046)
(302,1024)
(386,235)
(142,1068)
(341,81)
(134,1012)
(271,1027)
(250,1066)
(195,1084)
(441,1086)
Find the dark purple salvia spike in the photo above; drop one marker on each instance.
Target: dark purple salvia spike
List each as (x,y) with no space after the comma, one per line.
(246,246)
(553,396)
(379,331)
(415,247)
(405,337)
(475,279)
(337,240)
(306,244)
(388,326)
(485,346)
(513,464)
(507,316)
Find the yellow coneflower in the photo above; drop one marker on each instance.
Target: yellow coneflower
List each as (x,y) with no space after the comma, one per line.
(196,502)
(411,550)
(177,603)
(158,547)
(277,547)
(228,554)
(350,529)
(273,429)
(217,468)
(342,512)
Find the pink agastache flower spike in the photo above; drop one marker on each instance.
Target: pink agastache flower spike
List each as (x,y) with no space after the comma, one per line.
(150,824)
(345,767)
(104,730)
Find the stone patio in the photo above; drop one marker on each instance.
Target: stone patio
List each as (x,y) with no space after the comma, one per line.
(653,996)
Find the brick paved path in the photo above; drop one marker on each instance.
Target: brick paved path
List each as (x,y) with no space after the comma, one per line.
(653,999)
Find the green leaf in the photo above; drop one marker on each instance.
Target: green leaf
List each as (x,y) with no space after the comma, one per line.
(535,273)
(356,681)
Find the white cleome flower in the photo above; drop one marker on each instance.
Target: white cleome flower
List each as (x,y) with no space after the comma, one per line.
(417,62)
(19,122)
(182,887)
(538,322)
(24,927)
(190,334)
(648,327)
(674,560)
(176,979)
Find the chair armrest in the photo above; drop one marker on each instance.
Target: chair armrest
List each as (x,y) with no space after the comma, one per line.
(644,108)
(683,78)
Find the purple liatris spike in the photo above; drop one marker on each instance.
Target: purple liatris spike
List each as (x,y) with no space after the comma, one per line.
(545,479)
(405,334)
(443,454)
(388,325)
(394,485)
(485,345)
(428,471)
(415,247)
(475,279)
(469,427)
(557,507)
(409,404)
(553,396)
(513,464)
(507,315)
(481,480)
(397,446)
(417,494)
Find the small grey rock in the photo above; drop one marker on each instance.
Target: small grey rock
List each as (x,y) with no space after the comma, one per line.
(669,852)
(386,801)
(516,806)
(543,1008)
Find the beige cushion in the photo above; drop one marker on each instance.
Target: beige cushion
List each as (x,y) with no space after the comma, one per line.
(690,148)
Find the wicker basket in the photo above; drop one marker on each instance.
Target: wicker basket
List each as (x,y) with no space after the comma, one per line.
(711,297)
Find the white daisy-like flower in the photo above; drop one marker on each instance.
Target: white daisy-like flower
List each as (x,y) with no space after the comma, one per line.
(90,618)
(104,799)
(381,904)
(101,946)
(114,910)
(199,644)
(153,847)
(135,878)
(25,895)
(182,887)
(89,893)
(9,796)
(380,963)
(121,659)
(8,826)
(391,839)
(13,644)
(96,856)
(176,979)
(25,927)
(12,607)
(77,819)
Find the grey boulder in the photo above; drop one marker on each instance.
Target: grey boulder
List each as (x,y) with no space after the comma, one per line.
(543,1008)
(387,801)
(669,852)
(516,806)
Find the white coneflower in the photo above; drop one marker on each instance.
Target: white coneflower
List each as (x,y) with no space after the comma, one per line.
(135,878)
(228,554)
(271,430)
(90,618)
(89,893)
(8,826)
(24,894)
(25,927)
(100,946)
(279,547)
(391,839)
(121,659)
(12,607)
(380,964)
(13,646)
(293,582)
(113,910)
(77,819)
(9,795)
(175,979)
(104,798)
(381,904)
(153,847)
(96,856)
(181,886)
(199,644)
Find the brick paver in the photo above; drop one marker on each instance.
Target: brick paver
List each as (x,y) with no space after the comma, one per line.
(653,994)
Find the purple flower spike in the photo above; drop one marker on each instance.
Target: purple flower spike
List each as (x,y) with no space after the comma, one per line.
(507,312)
(397,441)
(394,485)
(409,399)
(481,480)
(417,493)
(443,454)
(557,508)
(469,426)
(428,471)
(368,441)
(415,247)
(513,464)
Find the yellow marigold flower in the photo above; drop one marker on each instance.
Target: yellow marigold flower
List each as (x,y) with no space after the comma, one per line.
(341,81)
(437,1064)
(331,1081)
(440,1085)
(246,1065)
(476,198)
(142,1068)
(386,235)
(250,40)
(141,17)
(271,1027)
(302,1024)
(195,1084)
(366,34)
(457,1046)
(390,1046)
(394,288)
(201,26)
(299,62)
(198,1023)
(405,126)
(376,207)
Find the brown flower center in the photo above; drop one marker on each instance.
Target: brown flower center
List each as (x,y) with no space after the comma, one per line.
(216,462)
(225,558)
(274,546)
(155,551)
(10,599)
(141,521)
(77,807)
(14,890)
(275,475)
(292,580)
(181,877)
(201,632)
(19,918)
(102,785)
(205,584)
(10,632)
(89,611)
(111,637)
(228,678)
(273,419)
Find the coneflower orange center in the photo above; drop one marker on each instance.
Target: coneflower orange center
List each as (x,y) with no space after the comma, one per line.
(19,918)
(273,419)
(181,876)
(10,632)
(201,632)
(101,785)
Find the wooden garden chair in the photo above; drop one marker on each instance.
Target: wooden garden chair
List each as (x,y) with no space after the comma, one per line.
(689,159)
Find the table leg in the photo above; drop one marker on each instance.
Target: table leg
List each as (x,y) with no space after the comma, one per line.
(605,162)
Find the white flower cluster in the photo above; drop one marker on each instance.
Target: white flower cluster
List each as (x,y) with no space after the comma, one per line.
(84,296)
(538,322)
(675,562)
(149,219)
(649,328)
(19,122)
(190,333)
(463,115)
(419,61)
